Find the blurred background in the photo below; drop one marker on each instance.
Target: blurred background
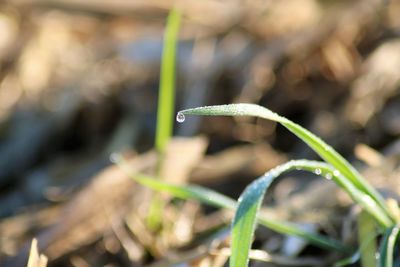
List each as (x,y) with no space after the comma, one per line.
(79,80)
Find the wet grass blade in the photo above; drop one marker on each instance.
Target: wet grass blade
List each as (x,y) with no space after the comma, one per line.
(244,222)
(166,98)
(215,199)
(320,147)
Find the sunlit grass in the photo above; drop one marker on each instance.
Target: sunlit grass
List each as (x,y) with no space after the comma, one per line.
(387,248)
(247,209)
(367,235)
(216,199)
(336,169)
(166,97)
(166,103)
(325,151)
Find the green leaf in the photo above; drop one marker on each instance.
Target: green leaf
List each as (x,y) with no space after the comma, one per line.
(244,222)
(320,147)
(166,103)
(166,99)
(349,260)
(387,247)
(218,200)
(367,234)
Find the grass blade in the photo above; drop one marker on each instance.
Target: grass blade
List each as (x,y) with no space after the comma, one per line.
(349,260)
(320,147)
(387,247)
(244,222)
(367,234)
(166,103)
(215,199)
(166,100)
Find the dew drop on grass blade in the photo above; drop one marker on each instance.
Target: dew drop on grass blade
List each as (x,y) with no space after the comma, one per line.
(320,147)
(244,222)
(216,199)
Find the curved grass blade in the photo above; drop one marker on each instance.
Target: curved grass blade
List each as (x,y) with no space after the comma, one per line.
(320,147)
(218,200)
(387,247)
(244,222)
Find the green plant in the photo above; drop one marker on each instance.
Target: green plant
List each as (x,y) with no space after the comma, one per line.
(216,199)
(247,209)
(166,99)
(387,246)
(336,168)
(166,102)
(367,234)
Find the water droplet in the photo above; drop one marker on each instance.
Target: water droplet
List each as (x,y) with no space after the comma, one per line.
(115,157)
(336,173)
(318,171)
(328,176)
(180,117)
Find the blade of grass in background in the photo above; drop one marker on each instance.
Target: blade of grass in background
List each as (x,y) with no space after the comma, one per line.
(367,234)
(213,198)
(350,260)
(244,222)
(325,151)
(166,103)
(166,98)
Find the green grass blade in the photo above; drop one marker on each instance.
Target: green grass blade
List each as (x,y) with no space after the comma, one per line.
(215,199)
(244,222)
(166,103)
(367,233)
(288,228)
(165,110)
(320,147)
(391,245)
(349,260)
(384,247)
(387,247)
